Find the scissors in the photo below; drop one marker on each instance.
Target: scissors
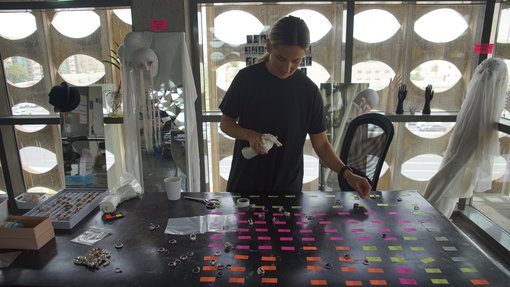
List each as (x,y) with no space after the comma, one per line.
(209,203)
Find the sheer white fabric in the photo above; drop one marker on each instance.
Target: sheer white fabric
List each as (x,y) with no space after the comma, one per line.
(467,163)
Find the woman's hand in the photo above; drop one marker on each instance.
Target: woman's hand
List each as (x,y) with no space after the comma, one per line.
(255,140)
(360,184)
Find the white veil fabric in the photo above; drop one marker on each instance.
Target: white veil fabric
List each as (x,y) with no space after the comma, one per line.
(467,164)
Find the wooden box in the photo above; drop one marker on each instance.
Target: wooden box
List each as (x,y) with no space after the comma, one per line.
(34,235)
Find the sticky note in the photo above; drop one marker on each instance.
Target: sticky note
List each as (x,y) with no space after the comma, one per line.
(433,270)
(384,230)
(208,279)
(344,213)
(316,282)
(308,239)
(363,238)
(243,230)
(272,196)
(398,259)
(313,267)
(410,238)
(209,268)
(290,195)
(479,282)
(337,206)
(265,247)
(382,204)
(241,257)
(286,238)
(468,270)
(390,238)
(404,221)
(319,214)
(242,247)
(358,230)
(214,245)
(410,229)
(311,258)
(378,282)
(352,222)
(330,230)
(369,213)
(269,267)
(283,230)
(268,258)
(417,248)
(428,260)
(458,259)
(407,281)
(323,222)
(404,270)
(353,283)
(375,270)
(374,259)
(394,213)
(309,248)
(342,248)
(216,237)
(260,229)
(295,207)
(370,248)
(439,281)
(264,237)
(395,248)
(441,238)
(349,269)
(238,268)
(269,280)
(377,221)
(449,248)
(305,231)
(244,237)
(236,280)
(288,248)
(254,196)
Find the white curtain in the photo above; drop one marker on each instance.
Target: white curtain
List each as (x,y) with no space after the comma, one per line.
(467,164)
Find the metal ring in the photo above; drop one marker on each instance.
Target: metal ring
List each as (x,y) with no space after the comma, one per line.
(217,253)
(189,253)
(261,271)
(193,237)
(196,269)
(172,241)
(118,270)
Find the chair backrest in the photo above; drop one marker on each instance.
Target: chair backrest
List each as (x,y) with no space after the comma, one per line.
(366,142)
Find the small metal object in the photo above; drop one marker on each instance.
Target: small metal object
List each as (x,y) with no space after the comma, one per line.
(338,202)
(265,209)
(328,266)
(196,270)
(416,207)
(189,253)
(250,221)
(183,257)
(356,197)
(287,213)
(106,263)
(172,264)
(356,206)
(261,271)
(119,244)
(261,216)
(162,250)
(275,219)
(281,209)
(177,261)
(347,256)
(212,262)
(219,274)
(228,266)
(220,266)
(172,241)
(217,253)
(193,237)
(118,270)
(309,217)
(228,246)
(209,203)
(365,262)
(253,205)
(153,226)
(383,235)
(399,198)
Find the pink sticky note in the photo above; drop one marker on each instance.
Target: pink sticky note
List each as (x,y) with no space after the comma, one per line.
(377,221)
(216,237)
(483,48)
(364,238)
(278,214)
(288,248)
(410,229)
(242,221)
(324,222)
(258,213)
(358,230)
(305,231)
(390,238)
(394,213)
(243,247)
(344,213)
(260,222)
(299,214)
(265,247)
(217,212)
(264,238)
(214,245)
(260,229)
(403,221)
(158,24)
(284,230)
(384,229)
(280,222)
(240,213)
(330,230)
(336,238)
(320,214)
(408,281)
(244,237)
(286,239)
(404,270)
(301,222)
(352,222)
(308,239)
(243,230)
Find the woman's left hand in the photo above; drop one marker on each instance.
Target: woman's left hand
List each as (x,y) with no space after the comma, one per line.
(360,184)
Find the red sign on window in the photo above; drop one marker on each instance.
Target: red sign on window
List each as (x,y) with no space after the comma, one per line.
(158,25)
(483,48)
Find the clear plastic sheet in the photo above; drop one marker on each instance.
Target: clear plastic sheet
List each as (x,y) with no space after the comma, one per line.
(91,236)
(201,224)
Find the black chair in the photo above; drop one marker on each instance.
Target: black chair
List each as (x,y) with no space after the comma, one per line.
(366,142)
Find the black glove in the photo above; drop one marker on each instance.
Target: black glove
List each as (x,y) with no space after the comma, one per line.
(402,94)
(429,94)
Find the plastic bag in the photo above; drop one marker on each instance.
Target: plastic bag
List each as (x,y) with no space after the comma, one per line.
(201,224)
(127,188)
(91,236)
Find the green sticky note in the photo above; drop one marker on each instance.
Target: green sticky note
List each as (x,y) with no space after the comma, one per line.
(337,206)
(290,196)
(317,207)
(374,259)
(276,206)
(272,196)
(329,195)
(254,196)
(382,204)
(370,248)
(236,196)
(416,248)
(441,238)
(410,238)
(395,248)
(259,206)
(428,260)
(419,212)
(468,270)
(439,281)
(296,207)
(398,259)
(433,270)
(311,195)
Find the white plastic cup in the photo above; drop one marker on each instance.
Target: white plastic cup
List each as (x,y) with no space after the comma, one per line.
(173,187)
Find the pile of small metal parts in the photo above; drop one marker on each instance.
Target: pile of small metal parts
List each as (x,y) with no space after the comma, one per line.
(94,259)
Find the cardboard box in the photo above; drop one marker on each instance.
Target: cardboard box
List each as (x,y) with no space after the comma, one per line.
(36,233)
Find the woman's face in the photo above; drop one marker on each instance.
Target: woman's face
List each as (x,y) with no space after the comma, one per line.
(284,59)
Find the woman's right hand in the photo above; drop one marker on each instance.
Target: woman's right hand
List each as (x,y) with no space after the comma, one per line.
(255,140)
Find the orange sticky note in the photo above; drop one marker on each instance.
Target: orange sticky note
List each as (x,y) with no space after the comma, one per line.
(375,270)
(309,248)
(479,282)
(268,258)
(343,248)
(209,268)
(378,282)
(313,259)
(343,259)
(237,268)
(319,282)
(269,267)
(241,257)
(209,258)
(314,268)
(353,283)
(207,279)
(349,269)
(270,280)
(236,280)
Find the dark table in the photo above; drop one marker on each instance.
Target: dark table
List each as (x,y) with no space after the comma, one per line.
(320,239)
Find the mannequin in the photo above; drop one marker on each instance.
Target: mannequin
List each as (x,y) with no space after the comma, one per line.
(467,164)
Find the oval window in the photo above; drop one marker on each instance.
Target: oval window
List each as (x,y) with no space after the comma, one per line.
(317,73)
(22,72)
(27,109)
(16,26)
(430,130)
(81,70)
(124,15)
(76,24)
(318,25)
(377,74)
(37,160)
(233,26)
(504,27)
(442,75)
(226,73)
(441,25)
(41,189)
(422,167)
(374,26)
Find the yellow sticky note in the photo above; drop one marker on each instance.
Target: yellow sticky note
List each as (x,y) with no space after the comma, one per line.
(382,204)
(433,270)
(337,206)
(398,259)
(395,248)
(410,238)
(468,270)
(295,207)
(370,248)
(374,259)
(276,206)
(329,195)
(428,260)
(439,281)
(417,248)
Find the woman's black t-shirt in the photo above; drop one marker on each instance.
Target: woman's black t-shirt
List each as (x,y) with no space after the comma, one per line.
(288,109)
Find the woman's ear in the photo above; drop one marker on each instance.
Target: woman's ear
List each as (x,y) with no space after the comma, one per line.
(268,46)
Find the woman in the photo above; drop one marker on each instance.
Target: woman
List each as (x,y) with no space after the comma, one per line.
(274,97)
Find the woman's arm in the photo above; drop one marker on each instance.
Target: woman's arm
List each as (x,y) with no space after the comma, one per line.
(328,156)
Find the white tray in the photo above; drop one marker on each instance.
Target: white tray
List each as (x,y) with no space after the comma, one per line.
(68,207)
(29,200)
